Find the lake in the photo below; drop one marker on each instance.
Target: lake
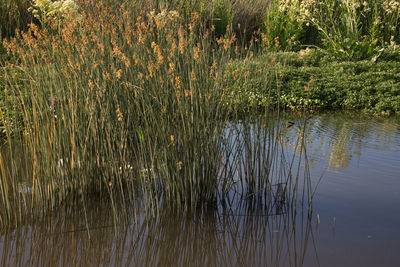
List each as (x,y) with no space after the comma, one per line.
(353,162)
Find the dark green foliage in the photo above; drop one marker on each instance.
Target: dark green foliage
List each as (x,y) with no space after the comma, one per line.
(314,81)
(281,29)
(347,29)
(13,15)
(221,17)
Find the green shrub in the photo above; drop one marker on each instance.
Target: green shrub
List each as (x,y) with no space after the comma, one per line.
(222,16)
(348,28)
(44,10)
(281,27)
(313,80)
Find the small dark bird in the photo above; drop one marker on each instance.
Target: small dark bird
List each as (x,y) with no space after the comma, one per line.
(290,124)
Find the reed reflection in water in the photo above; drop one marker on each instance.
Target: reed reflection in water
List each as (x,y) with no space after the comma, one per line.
(261,217)
(207,237)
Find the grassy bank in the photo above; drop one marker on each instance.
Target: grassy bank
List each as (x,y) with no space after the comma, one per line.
(353,63)
(313,80)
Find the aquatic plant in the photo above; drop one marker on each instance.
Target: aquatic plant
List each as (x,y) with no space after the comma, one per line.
(119,103)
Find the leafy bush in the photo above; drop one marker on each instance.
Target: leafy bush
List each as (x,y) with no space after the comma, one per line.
(44,10)
(222,16)
(281,28)
(349,28)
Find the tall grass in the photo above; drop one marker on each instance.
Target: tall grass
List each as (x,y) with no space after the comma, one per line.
(114,97)
(13,15)
(117,103)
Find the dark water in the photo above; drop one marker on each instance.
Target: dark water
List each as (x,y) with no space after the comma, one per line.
(355,218)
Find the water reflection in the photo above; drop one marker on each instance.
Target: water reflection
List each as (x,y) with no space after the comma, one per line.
(357,210)
(338,138)
(206,238)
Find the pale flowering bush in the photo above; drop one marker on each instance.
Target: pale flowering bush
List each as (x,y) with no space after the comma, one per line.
(162,18)
(350,28)
(43,10)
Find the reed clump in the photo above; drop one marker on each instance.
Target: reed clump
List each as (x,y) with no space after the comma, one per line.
(118,102)
(110,102)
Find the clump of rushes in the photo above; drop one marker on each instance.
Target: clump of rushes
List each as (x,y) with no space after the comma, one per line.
(113,102)
(124,102)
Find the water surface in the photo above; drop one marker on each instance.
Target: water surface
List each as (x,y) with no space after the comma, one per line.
(355,219)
